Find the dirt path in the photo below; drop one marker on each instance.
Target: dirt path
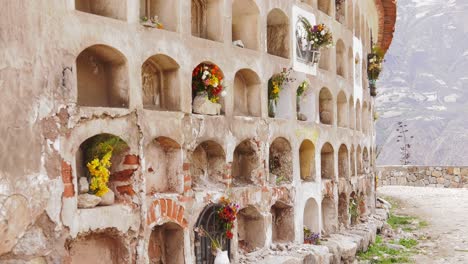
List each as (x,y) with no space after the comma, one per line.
(446,211)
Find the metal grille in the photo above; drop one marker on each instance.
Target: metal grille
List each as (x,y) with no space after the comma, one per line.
(208,220)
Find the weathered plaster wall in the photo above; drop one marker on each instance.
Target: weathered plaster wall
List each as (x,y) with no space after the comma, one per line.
(423,176)
(43,128)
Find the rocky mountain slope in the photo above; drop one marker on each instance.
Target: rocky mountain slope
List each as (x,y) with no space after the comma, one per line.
(425,84)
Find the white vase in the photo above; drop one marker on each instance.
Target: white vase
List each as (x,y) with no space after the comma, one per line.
(221,257)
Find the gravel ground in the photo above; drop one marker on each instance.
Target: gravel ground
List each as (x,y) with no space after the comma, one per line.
(446,211)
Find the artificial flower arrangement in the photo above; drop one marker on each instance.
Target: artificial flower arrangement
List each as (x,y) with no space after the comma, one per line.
(97,157)
(374,67)
(152,22)
(275,85)
(208,78)
(319,36)
(226,215)
(303,87)
(311,237)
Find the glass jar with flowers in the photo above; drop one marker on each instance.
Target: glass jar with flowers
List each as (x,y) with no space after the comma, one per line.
(275,85)
(315,38)
(374,68)
(303,87)
(311,237)
(207,88)
(152,22)
(226,215)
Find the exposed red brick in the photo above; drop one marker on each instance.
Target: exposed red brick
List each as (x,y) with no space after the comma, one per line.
(175,211)
(150,169)
(187,178)
(131,160)
(184,199)
(69,190)
(180,214)
(187,188)
(169,207)
(126,189)
(151,216)
(66,172)
(226,176)
(162,202)
(186,166)
(123,175)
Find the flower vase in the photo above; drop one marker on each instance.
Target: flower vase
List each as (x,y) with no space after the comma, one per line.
(300,116)
(203,105)
(221,257)
(372,87)
(314,55)
(272,108)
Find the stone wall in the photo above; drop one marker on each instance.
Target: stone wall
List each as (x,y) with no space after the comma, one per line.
(422,176)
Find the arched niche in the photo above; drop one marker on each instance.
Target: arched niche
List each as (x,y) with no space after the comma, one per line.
(246,162)
(251,228)
(342,107)
(365,118)
(360,170)
(247,91)
(329,217)
(106,8)
(358,115)
(208,165)
(307,160)
(326,106)
(167,12)
(340,58)
(208,220)
(206,19)
(102,77)
(343,210)
(245,23)
(353,161)
(325,6)
(365,160)
(278,33)
(166,244)
(280,160)
(357,70)
(350,14)
(282,219)
(324,62)
(357,22)
(350,65)
(164,162)
(343,162)
(351,114)
(327,158)
(95,248)
(161,83)
(311,218)
(340,11)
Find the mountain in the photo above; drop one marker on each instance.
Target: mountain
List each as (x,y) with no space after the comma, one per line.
(425,84)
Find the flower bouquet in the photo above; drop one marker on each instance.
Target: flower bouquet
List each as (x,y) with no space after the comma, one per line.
(275,85)
(374,68)
(207,87)
(311,237)
(152,22)
(313,39)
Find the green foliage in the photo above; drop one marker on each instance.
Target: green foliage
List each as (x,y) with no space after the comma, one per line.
(303,87)
(98,146)
(380,254)
(408,243)
(399,221)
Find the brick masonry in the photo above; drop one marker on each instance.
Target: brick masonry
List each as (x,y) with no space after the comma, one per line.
(423,176)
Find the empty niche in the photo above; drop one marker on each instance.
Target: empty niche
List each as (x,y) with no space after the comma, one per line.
(311,218)
(327,161)
(343,162)
(340,58)
(282,222)
(343,210)
(365,160)
(357,70)
(307,160)
(207,20)
(281,160)
(353,161)
(349,16)
(351,114)
(326,106)
(342,109)
(358,115)
(362,207)
(97,148)
(329,217)
(245,23)
(324,6)
(246,162)
(359,160)
(208,163)
(251,229)
(107,8)
(340,11)
(247,89)
(166,12)
(166,244)
(350,64)
(164,163)
(357,23)
(102,77)
(365,118)
(208,220)
(96,248)
(278,33)
(161,83)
